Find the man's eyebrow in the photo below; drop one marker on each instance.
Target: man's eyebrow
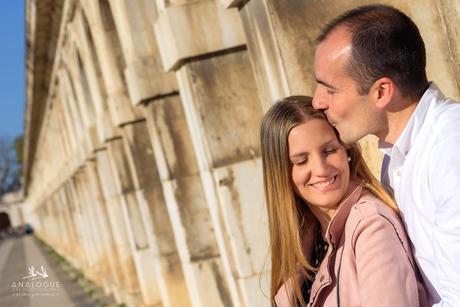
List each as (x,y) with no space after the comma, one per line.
(326,84)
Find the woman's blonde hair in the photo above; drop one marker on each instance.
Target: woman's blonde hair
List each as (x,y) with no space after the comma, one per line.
(288,214)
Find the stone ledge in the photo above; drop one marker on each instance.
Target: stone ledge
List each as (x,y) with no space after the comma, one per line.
(192,30)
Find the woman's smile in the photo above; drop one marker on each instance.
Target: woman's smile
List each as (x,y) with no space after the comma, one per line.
(320,170)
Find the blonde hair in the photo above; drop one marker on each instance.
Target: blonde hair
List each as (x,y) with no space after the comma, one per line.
(288,214)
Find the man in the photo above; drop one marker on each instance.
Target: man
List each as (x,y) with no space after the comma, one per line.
(370,70)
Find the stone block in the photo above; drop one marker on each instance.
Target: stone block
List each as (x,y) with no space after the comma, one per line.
(144,261)
(174,290)
(146,79)
(242,206)
(220,98)
(171,138)
(187,31)
(206,283)
(190,218)
(255,289)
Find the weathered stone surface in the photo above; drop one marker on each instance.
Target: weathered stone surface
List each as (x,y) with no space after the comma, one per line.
(170,136)
(143,62)
(221,86)
(191,30)
(150,181)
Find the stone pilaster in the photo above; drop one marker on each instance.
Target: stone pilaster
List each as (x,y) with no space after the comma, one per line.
(129,292)
(215,77)
(110,57)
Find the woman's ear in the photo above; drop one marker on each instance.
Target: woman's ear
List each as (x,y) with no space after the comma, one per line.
(382,92)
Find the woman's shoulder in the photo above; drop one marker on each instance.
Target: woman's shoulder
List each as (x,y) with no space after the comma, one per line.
(370,215)
(369,206)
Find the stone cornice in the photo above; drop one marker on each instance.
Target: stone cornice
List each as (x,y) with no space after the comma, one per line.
(43,21)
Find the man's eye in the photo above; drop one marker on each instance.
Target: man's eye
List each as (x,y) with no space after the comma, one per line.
(330,92)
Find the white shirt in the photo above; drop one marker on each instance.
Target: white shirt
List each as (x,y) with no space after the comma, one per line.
(424,173)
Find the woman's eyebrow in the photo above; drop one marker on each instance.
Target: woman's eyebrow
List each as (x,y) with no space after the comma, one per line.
(299,154)
(306,153)
(327,143)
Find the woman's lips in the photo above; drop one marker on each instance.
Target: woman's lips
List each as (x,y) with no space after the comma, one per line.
(325,185)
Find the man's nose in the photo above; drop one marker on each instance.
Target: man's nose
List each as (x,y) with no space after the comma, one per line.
(319,100)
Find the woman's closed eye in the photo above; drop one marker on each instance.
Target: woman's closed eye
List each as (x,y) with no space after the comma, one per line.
(330,151)
(300,161)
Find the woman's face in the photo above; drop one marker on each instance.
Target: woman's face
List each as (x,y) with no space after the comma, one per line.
(320,170)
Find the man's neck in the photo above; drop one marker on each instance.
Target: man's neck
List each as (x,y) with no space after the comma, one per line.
(398,120)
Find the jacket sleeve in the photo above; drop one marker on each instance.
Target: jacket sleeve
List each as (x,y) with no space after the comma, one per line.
(385,274)
(444,182)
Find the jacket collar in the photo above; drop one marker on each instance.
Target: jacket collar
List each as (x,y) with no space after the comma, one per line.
(337,224)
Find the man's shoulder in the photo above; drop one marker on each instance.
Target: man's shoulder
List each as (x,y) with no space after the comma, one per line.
(441,121)
(443,110)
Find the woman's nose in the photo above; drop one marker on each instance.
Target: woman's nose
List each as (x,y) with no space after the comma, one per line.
(320,167)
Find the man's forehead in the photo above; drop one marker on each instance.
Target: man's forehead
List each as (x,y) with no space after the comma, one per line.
(336,46)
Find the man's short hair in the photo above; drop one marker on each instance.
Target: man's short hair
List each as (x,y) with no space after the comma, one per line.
(385,43)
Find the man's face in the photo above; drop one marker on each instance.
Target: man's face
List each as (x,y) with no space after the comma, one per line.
(352,114)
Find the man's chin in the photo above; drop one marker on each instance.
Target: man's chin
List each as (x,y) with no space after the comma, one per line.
(346,139)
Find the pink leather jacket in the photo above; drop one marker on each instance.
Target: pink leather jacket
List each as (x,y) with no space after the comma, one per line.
(369,260)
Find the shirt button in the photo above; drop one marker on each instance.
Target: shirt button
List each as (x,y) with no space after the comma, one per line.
(398,173)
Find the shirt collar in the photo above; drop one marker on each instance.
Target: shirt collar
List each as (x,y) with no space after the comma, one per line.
(336,225)
(406,139)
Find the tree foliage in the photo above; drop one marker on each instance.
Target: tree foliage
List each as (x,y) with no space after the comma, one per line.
(10,164)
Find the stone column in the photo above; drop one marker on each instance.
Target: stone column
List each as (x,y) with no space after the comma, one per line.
(77,244)
(110,57)
(149,195)
(129,290)
(87,240)
(144,73)
(61,231)
(146,82)
(67,99)
(89,204)
(222,109)
(110,257)
(136,230)
(82,37)
(186,203)
(69,224)
(79,82)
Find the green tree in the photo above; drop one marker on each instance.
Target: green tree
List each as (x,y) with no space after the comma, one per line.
(10,164)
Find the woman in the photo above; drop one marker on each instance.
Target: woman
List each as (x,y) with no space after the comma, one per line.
(336,238)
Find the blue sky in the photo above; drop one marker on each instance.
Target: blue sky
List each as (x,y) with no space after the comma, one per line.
(12,68)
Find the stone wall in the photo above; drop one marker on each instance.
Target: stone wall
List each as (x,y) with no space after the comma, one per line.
(142,154)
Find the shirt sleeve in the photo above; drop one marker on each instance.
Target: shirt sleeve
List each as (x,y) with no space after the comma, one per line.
(385,274)
(444,182)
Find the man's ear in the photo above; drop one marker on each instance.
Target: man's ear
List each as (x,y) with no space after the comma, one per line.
(382,92)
